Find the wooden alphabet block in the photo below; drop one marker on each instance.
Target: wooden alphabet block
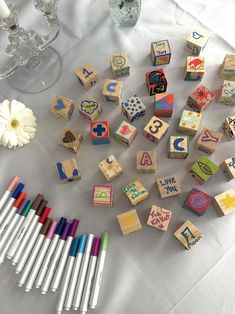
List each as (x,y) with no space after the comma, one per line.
(200,98)
(189,122)
(203,169)
(159,218)
(196,42)
(68,170)
(62,108)
(224,203)
(110,168)
(125,133)
(87,76)
(195,68)
(227,93)
(178,147)
(155,129)
(208,141)
(102,195)
(228,168)
(136,192)
(188,235)
(168,186)
(112,91)
(71,140)
(146,161)
(120,64)
(99,132)
(133,108)
(229,128)
(156,82)
(227,71)
(90,109)
(163,105)
(160,52)
(129,222)
(197,202)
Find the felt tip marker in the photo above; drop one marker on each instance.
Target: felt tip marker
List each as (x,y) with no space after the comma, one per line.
(35,270)
(10,202)
(55,259)
(8,191)
(34,253)
(32,239)
(50,252)
(67,275)
(75,272)
(24,226)
(90,276)
(64,255)
(99,270)
(83,272)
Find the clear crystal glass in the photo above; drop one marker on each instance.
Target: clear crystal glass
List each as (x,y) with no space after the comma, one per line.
(125,13)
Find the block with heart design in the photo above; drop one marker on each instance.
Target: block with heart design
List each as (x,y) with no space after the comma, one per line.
(227,70)
(62,107)
(120,64)
(99,132)
(102,195)
(229,128)
(129,222)
(227,93)
(189,122)
(112,91)
(71,140)
(203,169)
(168,186)
(146,161)
(178,147)
(125,132)
(188,235)
(224,203)
(135,192)
(196,42)
(160,52)
(68,170)
(155,129)
(87,76)
(110,168)
(197,202)
(90,109)
(156,82)
(208,141)
(133,108)
(159,218)
(228,168)
(200,98)
(195,68)
(163,105)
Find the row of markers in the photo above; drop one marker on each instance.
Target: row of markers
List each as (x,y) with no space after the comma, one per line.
(47,253)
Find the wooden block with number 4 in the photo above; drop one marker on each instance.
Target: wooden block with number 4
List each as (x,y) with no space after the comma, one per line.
(155,129)
(146,161)
(159,218)
(129,222)
(87,76)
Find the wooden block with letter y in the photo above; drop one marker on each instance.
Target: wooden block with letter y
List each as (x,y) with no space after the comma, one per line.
(208,141)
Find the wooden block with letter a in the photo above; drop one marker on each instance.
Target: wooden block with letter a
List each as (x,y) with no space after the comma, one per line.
(125,133)
(224,203)
(203,169)
(129,222)
(188,235)
(189,122)
(227,93)
(62,108)
(168,186)
(146,161)
(160,52)
(87,76)
(99,132)
(196,42)
(155,129)
(197,202)
(163,105)
(136,192)
(71,140)
(112,91)
(120,64)
(68,170)
(102,195)
(110,168)
(228,168)
(90,109)
(159,218)
(200,98)
(229,128)
(195,68)
(208,141)
(227,71)
(178,147)
(156,82)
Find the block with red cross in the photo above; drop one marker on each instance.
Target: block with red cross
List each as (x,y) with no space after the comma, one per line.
(99,132)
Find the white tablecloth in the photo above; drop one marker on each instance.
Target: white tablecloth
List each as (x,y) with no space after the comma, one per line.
(147,271)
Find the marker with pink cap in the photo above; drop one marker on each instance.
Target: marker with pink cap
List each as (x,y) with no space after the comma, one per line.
(15,180)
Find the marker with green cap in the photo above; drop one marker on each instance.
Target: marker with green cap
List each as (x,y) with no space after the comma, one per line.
(99,270)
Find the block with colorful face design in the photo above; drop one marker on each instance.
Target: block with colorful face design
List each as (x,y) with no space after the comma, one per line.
(125,133)
(200,98)
(120,64)
(195,68)
(133,108)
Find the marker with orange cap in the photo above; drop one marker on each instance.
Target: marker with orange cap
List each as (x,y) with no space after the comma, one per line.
(8,191)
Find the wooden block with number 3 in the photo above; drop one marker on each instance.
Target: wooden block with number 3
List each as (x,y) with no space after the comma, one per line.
(146,161)
(87,76)
(155,129)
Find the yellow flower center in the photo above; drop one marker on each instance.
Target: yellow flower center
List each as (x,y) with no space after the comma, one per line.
(14,123)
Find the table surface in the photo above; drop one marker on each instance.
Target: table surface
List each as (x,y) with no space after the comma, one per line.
(147,271)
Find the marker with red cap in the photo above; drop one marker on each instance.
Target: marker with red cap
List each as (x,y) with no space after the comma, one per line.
(64,256)
(32,237)
(10,202)
(15,180)
(34,252)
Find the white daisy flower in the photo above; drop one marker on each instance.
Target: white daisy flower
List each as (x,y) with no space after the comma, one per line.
(17,124)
